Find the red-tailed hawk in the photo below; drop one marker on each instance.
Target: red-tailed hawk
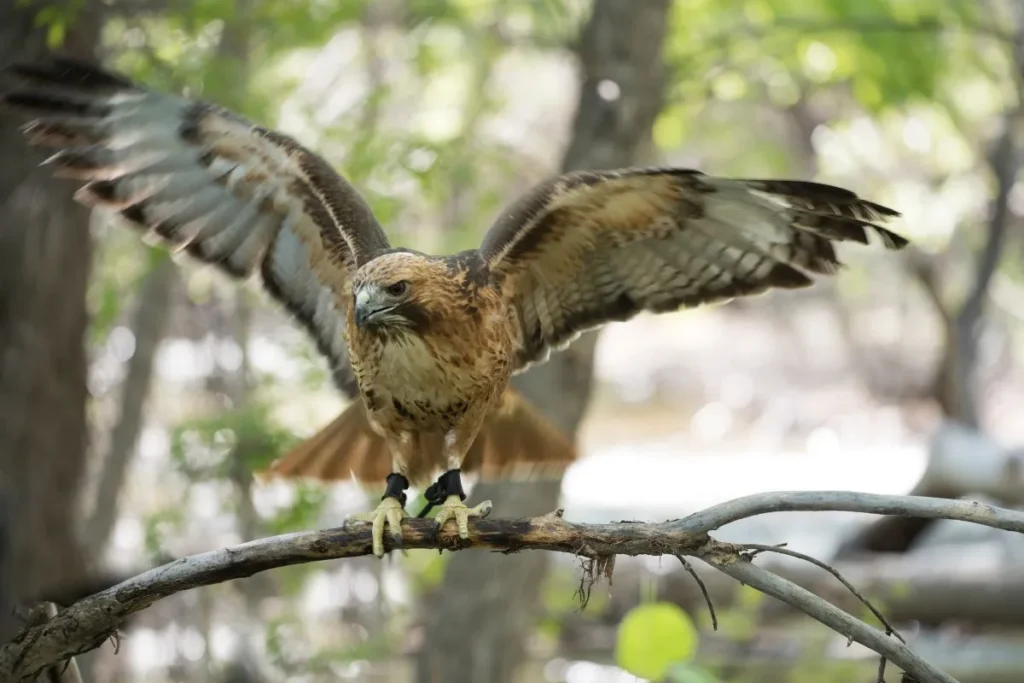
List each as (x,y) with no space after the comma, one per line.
(428,343)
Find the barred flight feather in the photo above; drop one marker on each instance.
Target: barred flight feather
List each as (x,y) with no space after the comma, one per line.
(592,247)
(206,182)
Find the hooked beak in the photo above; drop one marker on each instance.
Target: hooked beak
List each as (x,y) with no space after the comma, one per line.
(368,308)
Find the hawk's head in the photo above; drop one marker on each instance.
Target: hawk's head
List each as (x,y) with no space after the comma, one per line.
(400,290)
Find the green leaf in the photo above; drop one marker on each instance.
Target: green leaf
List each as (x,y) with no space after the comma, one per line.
(653,638)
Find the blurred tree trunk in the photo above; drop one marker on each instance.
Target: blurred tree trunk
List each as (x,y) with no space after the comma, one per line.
(487,604)
(44,267)
(148,327)
(955,384)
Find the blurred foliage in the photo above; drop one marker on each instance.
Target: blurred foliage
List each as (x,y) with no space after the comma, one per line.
(888,52)
(741,621)
(560,597)
(206,447)
(876,55)
(426,569)
(160,526)
(741,624)
(413,100)
(653,638)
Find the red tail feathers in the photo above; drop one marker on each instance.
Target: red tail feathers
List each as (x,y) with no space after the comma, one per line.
(515,442)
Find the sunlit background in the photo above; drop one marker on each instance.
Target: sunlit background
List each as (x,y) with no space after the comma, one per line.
(902,373)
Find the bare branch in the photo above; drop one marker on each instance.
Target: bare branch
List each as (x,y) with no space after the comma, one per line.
(86,624)
(703,589)
(890,630)
(833,617)
(848,501)
(758,548)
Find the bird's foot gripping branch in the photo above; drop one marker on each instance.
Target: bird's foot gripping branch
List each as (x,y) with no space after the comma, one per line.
(448,493)
(391,511)
(86,624)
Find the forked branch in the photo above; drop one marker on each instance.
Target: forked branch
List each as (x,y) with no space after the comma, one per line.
(87,623)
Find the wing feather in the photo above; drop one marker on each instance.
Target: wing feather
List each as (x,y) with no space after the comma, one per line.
(589,248)
(207,182)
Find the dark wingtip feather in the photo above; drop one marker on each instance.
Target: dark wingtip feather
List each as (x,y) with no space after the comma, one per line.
(135,214)
(70,73)
(55,132)
(841,228)
(98,193)
(787,277)
(890,239)
(79,162)
(879,209)
(803,188)
(50,103)
(820,193)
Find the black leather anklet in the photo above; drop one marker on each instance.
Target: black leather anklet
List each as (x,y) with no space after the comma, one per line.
(397,484)
(448,484)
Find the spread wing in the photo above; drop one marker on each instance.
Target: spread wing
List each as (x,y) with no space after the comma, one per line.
(588,248)
(201,179)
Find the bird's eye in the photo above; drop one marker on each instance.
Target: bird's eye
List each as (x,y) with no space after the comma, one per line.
(398,289)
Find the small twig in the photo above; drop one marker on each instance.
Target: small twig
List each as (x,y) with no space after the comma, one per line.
(881,670)
(587,581)
(836,619)
(594,568)
(890,630)
(703,589)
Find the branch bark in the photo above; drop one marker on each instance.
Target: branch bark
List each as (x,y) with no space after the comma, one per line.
(86,624)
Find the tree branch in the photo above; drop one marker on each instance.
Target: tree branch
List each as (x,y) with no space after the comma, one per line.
(86,624)
(757,548)
(848,501)
(833,617)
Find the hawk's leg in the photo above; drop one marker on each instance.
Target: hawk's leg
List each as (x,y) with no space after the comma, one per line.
(390,510)
(447,492)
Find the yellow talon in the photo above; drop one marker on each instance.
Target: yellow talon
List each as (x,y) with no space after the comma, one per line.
(390,511)
(454,508)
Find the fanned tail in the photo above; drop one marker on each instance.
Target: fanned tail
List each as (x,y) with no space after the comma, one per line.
(518,442)
(515,442)
(346,447)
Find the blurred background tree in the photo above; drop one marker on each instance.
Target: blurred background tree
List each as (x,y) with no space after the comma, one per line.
(134,438)
(44,266)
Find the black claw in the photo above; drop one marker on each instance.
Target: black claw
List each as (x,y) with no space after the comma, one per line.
(397,484)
